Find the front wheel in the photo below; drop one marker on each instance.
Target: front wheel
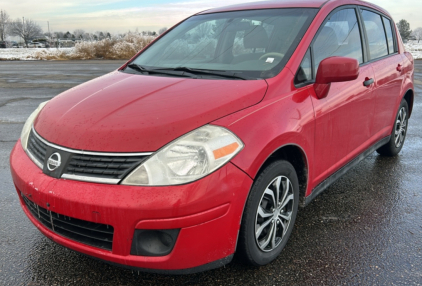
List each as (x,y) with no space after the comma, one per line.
(269,214)
(394,146)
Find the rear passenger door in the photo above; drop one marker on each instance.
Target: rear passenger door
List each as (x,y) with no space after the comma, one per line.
(386,62)
(343,118)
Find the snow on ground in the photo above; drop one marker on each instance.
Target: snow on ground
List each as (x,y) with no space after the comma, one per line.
(414,48)
(117,48)
(28,54)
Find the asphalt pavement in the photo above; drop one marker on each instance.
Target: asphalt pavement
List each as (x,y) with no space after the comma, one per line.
(366,229)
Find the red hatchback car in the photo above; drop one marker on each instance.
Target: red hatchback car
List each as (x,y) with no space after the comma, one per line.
(207,141)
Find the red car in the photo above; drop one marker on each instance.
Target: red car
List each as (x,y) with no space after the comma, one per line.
(206,142)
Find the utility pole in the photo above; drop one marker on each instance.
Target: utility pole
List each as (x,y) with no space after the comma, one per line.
(49,34)
(2,36)
(23,30)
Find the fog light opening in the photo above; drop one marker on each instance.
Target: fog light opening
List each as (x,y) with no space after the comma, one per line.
(154,242)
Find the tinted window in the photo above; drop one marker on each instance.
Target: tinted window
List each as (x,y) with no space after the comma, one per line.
(340,36)
(389,32)
(376,36)
(255,43)
(304,73)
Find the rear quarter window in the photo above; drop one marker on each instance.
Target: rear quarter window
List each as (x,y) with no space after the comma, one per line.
(376,36)
(389,32)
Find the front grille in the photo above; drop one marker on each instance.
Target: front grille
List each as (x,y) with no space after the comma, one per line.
(94,234)
(37,148)
(110,167)
(83,165)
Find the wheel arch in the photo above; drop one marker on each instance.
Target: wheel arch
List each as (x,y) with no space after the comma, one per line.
(295,155)
(409,97)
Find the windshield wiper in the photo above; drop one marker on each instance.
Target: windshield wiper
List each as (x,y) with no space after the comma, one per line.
(233,75)
(188,72)
(143,69)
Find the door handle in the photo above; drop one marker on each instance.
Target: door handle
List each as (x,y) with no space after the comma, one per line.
(368,81)
(399,68)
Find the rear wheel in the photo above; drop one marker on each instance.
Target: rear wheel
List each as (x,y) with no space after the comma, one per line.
(394,146)
(270,214)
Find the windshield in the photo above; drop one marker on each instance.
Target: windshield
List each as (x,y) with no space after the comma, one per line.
(251,43)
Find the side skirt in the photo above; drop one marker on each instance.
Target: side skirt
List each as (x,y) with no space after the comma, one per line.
(343,170)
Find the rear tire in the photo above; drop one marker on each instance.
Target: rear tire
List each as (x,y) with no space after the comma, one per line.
(269,214)
(398,135)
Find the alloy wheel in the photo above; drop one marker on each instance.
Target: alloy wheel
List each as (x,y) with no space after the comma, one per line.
(401,124)
(274,214)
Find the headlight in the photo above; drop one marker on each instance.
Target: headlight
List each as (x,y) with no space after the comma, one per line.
(28,125)
(188,158)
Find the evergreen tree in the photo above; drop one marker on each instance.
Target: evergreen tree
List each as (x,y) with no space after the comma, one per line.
(404,29)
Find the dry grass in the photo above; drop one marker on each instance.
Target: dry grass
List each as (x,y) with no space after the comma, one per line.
(110,49)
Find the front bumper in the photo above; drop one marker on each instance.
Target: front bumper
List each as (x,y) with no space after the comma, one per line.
(207,212)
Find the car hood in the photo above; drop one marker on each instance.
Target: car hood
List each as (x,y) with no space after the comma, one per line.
(122,112)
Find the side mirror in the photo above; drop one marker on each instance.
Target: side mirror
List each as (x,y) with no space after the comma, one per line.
(334,69)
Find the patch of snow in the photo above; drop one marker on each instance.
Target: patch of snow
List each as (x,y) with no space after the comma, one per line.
(415,49)
(121,48)
(29,54)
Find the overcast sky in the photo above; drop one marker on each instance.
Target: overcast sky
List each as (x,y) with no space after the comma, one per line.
(122,15)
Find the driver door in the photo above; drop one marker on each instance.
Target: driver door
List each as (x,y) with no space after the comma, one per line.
(342,119)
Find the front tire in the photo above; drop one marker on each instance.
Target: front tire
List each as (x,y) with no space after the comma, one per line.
(394,146)
(269,214)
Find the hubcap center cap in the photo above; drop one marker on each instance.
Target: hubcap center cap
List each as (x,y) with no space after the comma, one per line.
(276,212)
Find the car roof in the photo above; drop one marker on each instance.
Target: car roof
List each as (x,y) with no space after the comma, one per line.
(269,5)
(290,4)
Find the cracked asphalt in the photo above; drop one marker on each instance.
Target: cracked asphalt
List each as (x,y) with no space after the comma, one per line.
(366,229)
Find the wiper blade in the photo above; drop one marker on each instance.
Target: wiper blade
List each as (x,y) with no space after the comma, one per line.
(137,67)
(188,72)
(233,75)
(143,69)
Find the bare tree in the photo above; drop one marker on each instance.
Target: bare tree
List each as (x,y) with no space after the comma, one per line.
(4,24)
(59,35)
(162,30)
(418,34)
(87,36)
(79,34)
(149,33)
(26,29)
